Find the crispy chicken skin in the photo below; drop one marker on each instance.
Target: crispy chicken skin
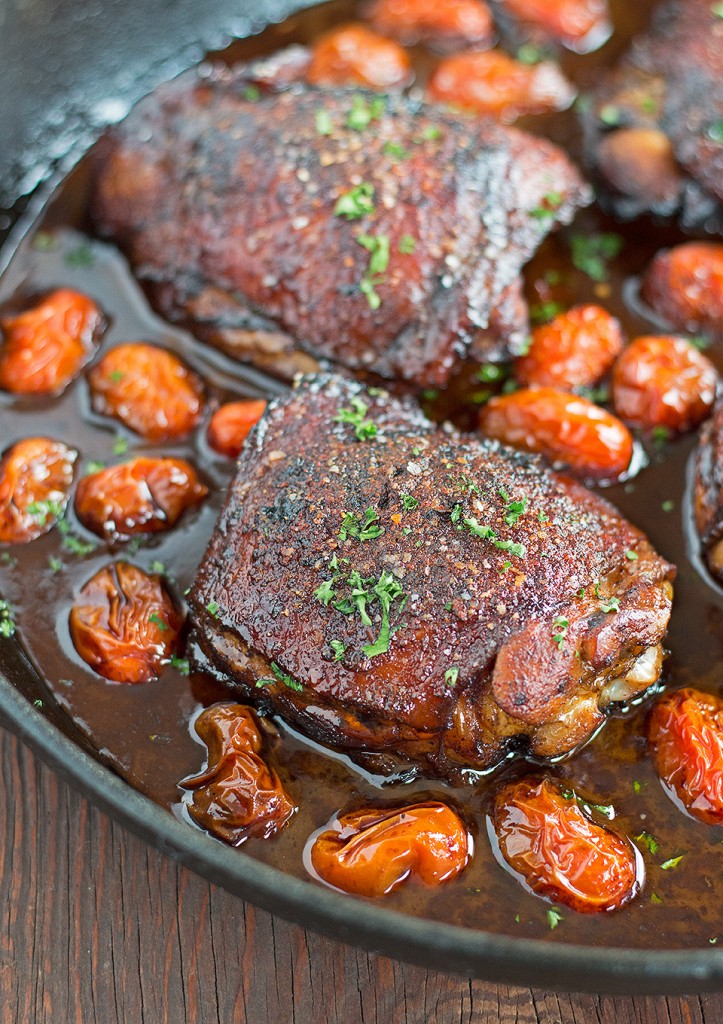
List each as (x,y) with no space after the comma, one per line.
(225,207)
(505,605)
(653,133)
(708,491)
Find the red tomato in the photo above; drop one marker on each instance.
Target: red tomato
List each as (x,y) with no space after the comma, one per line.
(35,478)
(231,423)
(148,389)
(354,55)
(685,285)
(663,382)
(435,21)
(685,730)
(560,852)
(372,851)
(583,25)
(46,346)
(492,83)
(126,625)
(140,496)
(237,795)
(566,428)
(574,350)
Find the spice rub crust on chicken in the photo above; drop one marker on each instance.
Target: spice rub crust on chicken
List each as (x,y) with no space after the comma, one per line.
(708,491)
(394,588)
(654,132)
(223,195)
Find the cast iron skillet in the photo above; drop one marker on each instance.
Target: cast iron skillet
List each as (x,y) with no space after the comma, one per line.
(67,67)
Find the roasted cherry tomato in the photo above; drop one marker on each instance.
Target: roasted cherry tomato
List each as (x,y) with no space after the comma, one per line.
(583,25)
(35,477)
(435,21)
(685,730)
(125,625)
(354,55)
(370,852)
(46,346)
(574,350)
(148,389)
(566,428)
(561,853)
(237,795)
(140,496)
(230,425)
(492,83)
(663,382)
(685,285)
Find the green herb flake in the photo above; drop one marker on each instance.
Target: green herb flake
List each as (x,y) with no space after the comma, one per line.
(37,703)
(55,564)
(409,503)
(120,445)
(7,622)
(76,546)
(44,512)
(654,898)
(592,253)
(395,150)
(514,509)
(452,675)
(158,567)
(648,840)
(285,678)
(553,918)
(181,665)
(45,242)
(636,787)
(252,93)
(378,248)
(323,122)
(671,862)
(552,202)
(430,133)
(356,203)
(94,466)
(116,376)
(387,590)
(369,529)
(667,505)
(407,245)
(490,373)
(82,256)
(715,131)
(611,605)
(155,618)
(543,312)
(325,592)
(717,10)
(560,627)
(610,115)
(529,54)
(632,556)
(660,436)
(362,113)
(338,648)
(212,608)
(542,517)
(365,429)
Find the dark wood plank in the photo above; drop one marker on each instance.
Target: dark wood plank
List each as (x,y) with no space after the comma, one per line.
(97,928)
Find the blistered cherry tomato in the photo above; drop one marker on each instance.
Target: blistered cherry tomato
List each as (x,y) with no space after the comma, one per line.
(685,285)
(566,428)
(573,351)
(237,795)
(148,389)
(125,625)
(492,83)
(685,731)
(371,852)
(583,25)
(663,382)
(435,21)
(46,346)
(354,55)
(231,423)
(140,496)
(560,852)
(35,477)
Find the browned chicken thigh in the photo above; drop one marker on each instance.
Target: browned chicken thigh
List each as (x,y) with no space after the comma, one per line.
(288,226)
(395,588)
(708,491)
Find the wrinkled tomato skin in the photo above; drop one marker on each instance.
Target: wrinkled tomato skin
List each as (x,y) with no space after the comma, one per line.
(371,852)
(663,382)
(583,25)
(562,854)
(354,55)
(563,427)
(237,795)
(449,21)
(141,496)
(574,350)
(46,346)
(685,732)
(492,83)
(148,389)
(685,285)
(231,424)
(33,472)
(125,625)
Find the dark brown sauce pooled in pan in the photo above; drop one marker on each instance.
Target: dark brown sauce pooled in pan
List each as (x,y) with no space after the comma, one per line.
(146,732)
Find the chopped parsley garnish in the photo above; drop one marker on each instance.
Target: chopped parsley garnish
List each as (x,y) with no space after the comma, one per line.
(45,242)
(715,131)
(378,248)
(430,133)
(717,10)
(409,504)
(552,202)
(120,445)
(554,917)
(542,517)
(116,376)
(94,466)
(155,618)
(668,505)
(362,113)
(407,245)
(181,665)
(452,675)
(365,429)
(212,608)
(648,840)
(671,862)
(76,546)
(632,556)
(542,312)
(610,115)
(660,436)
(592,253)
(636,786)
(252,93)
(395,150)
(158,567)
(387,590)
(367,530)
(281,677)
(55,564)
(80,257)
(560,627)
(325,591)
(611,605)
(490,373)
(7,623)
(528,53)
(44,511)
(515,509)
(338,648)
(356,203)
(478,529)
(363,592)
(654,898)
(323,122)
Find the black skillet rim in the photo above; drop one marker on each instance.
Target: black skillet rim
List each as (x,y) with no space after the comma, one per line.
(433,944)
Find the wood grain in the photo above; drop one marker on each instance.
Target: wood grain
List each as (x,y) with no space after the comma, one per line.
(99,928)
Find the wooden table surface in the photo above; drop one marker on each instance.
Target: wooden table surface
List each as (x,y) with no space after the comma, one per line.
(98,927)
